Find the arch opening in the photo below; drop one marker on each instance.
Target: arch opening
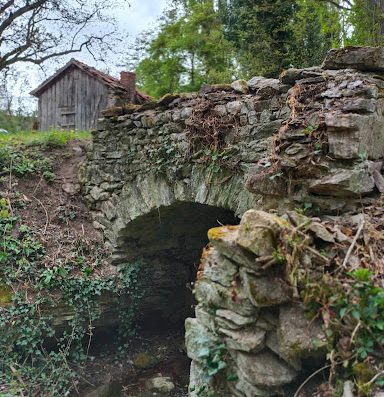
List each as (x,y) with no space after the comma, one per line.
(168,243)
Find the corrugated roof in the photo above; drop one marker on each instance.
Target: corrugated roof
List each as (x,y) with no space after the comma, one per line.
(106,79)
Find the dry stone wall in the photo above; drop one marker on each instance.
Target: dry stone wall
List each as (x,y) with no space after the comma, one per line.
(250,329)
(311,141)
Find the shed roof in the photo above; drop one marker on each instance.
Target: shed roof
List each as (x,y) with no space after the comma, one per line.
(104,78)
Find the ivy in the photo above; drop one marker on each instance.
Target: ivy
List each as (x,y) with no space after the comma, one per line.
(27,366)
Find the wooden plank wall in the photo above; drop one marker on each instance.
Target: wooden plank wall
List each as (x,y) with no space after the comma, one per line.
(74,101)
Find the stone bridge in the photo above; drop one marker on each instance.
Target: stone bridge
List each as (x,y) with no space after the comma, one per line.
(159,175)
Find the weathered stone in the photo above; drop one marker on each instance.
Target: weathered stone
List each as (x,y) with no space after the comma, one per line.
(258,230)
(263,87)
(247,339)
(71,188)
(225,239)
(379,180)
(306,223)
(234,107)
(144,360)
(361,58)
(348,389)
(160,384)
(248,390)
(198,340)
(218,268)
(240,86)
(298,336)
(236,319)
(264,369)
(265,291)
(348,134)
(205,318)
(216,296)
(345,183)
(290,76)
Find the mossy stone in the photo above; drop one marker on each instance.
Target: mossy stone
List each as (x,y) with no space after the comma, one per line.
(5,295)
(144,360)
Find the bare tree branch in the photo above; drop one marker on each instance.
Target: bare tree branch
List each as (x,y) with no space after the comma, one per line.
(347,7)
(37,30)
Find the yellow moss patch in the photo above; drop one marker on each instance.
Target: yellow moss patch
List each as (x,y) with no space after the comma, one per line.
(5,295)
(220,232)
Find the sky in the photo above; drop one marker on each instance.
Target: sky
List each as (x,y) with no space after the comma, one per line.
(133,19)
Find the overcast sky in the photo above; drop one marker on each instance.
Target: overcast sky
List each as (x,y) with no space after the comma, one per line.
(139,16)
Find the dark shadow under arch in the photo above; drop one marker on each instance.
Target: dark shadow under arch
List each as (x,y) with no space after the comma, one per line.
(168,243)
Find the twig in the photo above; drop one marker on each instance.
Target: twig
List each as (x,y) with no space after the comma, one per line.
(46,214)
(309,378)
(352,246)
(374,378)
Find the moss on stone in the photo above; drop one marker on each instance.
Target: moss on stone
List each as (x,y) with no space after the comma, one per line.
(144,360)
(220,232)
(5,295)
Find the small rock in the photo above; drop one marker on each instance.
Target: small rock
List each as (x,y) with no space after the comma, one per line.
(298,336)
(144,361)
(234,107)
(218,268)
(240,86)
(213,294)
(379,181)
(71,188)
(160,384)
(224,239)
(348,389)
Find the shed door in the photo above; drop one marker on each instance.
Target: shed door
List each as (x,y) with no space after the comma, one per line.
(67,108)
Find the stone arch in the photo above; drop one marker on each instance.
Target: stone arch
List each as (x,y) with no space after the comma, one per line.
(164,226)
(146,193)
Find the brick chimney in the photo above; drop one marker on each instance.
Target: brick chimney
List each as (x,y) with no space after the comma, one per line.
(128,80)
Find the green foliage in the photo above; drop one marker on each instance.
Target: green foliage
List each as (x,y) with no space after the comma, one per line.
(45,139)
(21,162)
(367,19)
(353,312)
(15,123)
(26,365)
(188,50)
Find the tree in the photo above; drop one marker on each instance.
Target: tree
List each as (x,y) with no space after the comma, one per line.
(271,35)
(37,30)
(367,19)
(189,49)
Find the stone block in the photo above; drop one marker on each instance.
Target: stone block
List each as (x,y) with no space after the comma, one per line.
(299,336)
(264,369)
(265,291)
(198,340)
(240,86)
(258,231)
(346,183)
(218,268)
(248,339)
(215,296)
(225,240)
(236,320)
(361,58)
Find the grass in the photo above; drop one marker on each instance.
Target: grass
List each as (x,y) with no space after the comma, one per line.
(52,138)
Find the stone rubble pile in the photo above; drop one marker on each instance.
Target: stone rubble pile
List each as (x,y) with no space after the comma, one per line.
(250,310)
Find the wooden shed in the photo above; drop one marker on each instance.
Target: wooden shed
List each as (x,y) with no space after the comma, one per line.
(75,95)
